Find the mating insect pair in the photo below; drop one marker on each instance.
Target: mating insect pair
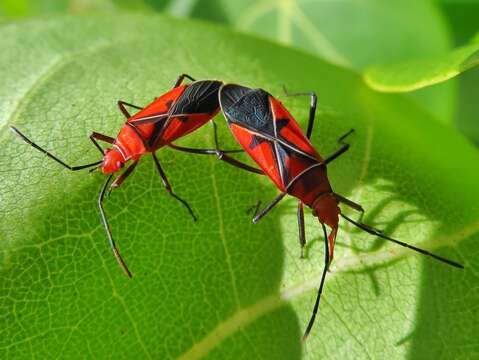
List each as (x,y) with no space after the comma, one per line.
(265,130)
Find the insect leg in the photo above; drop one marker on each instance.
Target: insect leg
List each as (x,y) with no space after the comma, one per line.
(107,228)
(217,146)
(97,136)
(302,234)
(349,203)
(122,104)
(120,179)
(168,188)
(342,138)
(50,155)
(268,208)
(101,137)
(181,78)
(312,108)
(321,284)
(254,208)
(338,152)
(341,150)
(221,154)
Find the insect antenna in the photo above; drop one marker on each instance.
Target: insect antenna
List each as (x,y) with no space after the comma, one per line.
(376,232)
(321,284)
(95,168)
(49,154)
(118,257)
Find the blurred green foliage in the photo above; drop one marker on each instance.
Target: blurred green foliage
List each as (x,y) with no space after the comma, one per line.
(352,34)
(462,17)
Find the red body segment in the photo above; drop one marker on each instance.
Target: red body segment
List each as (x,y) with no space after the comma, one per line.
(177,127)
(175,114)
(275,141)
(160,106)
(130,143)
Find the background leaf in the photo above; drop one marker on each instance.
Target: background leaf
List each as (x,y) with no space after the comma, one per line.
(353,34)
(416,74)
(354,40)
(221,287)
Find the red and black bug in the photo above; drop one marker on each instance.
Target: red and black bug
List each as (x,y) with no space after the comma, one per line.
(175,114)
(274,140)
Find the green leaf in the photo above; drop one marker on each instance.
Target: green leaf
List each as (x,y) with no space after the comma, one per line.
(417,74)
(222,287)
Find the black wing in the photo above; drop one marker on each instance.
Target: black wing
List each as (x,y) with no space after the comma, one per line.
(247,107)
(251,109)
(200,97)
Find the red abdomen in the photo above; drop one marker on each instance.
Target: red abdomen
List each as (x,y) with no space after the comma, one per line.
(179,126)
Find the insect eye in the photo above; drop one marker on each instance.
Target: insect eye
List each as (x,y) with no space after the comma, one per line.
(119,164)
